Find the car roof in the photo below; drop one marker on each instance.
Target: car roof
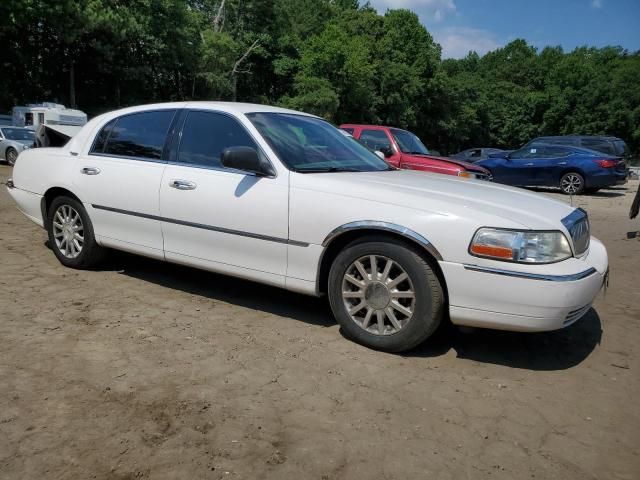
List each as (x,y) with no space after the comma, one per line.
(229,107)
(570,147)
(577,137)
(370,127)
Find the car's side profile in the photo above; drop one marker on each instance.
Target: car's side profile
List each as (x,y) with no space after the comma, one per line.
(572,169)
(283,198)
(14,140)
(405,150)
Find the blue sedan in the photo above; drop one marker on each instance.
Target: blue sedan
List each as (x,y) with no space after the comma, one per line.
(575,170)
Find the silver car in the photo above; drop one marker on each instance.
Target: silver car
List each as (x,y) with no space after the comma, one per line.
(14,140)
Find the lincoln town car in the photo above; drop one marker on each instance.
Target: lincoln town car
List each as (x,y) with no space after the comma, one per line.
(283,198)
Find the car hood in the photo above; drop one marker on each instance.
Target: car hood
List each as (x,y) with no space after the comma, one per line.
(444,195)
(461,163)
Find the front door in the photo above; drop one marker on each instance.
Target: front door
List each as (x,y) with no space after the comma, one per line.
(221,219)
(518,169)
(378,140)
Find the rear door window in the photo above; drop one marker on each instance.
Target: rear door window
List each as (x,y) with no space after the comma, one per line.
(139,135)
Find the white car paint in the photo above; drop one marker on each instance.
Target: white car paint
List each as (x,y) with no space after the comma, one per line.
(275,230)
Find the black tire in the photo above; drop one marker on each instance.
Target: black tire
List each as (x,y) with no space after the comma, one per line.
(428,305)
(591,191)
(572,183)
(11,156)
(91,253)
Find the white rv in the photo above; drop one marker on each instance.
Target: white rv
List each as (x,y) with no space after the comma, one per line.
(53,123)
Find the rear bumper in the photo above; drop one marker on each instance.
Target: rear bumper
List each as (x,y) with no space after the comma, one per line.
(531,301)
(606,179)
(30,204)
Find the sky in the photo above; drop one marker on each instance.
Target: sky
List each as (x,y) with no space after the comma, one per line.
(484,25)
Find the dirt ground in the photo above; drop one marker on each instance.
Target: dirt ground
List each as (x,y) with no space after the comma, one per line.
(149,370)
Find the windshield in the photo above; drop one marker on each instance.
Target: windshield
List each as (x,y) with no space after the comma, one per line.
(309,144)
(18,134)
(409,143)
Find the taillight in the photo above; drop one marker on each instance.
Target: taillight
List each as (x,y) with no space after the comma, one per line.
(606,163)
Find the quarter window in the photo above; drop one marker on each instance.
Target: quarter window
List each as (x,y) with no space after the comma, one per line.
(139,135)
(101,138)
(206,134)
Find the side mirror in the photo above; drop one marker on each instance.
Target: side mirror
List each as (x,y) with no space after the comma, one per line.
(247,160)
(386,151)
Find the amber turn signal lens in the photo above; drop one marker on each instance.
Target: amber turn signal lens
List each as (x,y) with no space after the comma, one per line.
(491,251)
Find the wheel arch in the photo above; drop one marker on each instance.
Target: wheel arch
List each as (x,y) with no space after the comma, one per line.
(347,233)
(50,195)
(572,169)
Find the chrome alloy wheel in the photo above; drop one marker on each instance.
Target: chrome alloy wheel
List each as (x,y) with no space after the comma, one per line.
(378,295)
(68,231)
(571,183)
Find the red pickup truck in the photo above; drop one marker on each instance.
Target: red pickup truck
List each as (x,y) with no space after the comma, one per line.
(403,149)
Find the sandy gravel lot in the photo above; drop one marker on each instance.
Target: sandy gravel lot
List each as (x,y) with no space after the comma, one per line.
(148,370)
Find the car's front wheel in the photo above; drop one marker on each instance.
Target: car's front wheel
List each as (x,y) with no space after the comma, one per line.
(71,234)
(572,183)
(11,155)
(385,294)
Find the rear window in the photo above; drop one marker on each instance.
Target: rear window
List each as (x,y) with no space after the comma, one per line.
(621,148)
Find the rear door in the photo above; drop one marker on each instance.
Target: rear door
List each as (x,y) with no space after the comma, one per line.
(218,218)
(119,179)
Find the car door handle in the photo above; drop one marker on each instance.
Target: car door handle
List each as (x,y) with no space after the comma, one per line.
(528,164)
(562,163)
(182,184)
(90,171)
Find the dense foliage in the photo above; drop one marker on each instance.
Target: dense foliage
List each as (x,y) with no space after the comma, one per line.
(334,58)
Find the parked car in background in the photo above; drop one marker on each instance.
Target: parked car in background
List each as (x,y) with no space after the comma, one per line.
(14,140)
(403,149)
(6,120)
(574,170)
(476,154)
(283,198)
(613,146)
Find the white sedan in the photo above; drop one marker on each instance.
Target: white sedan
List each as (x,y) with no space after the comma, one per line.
(283,198)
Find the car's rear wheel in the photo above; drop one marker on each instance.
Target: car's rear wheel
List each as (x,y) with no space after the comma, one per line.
(71,234)
(572,183)
(11,155)
(385,295)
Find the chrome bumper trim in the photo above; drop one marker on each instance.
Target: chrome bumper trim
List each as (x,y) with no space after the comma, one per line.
(533,276)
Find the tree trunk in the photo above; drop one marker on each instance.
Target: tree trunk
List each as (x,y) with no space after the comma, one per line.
(72,85)
(234,87)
